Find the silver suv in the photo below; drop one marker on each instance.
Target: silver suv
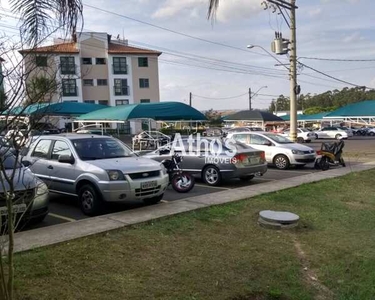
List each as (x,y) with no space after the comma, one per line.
(96,169)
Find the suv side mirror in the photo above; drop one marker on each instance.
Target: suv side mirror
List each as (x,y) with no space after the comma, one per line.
(268,143)
(66,159)
(26,163)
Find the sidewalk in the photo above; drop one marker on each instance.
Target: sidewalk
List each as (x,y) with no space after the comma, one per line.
(68,231)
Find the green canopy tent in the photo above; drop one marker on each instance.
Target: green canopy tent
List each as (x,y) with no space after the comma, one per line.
(58,109)
(358,113)
(54,109)
(254,116)
(162,111)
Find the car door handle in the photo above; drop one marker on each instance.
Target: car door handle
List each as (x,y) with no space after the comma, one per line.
(50,167)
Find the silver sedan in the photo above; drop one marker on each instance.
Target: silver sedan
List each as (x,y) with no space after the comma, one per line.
(213,160)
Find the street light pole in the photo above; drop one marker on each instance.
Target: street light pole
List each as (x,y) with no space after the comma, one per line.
(251,95)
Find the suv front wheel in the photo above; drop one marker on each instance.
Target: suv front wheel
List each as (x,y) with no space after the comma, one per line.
(89,200)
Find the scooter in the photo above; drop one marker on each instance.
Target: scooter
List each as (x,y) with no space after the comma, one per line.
(181,181)
(329,155)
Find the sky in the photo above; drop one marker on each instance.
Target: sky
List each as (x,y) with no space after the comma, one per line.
(211,60)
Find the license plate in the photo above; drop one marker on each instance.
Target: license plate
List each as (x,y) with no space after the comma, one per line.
(149,185)
(254,160)
(18,208)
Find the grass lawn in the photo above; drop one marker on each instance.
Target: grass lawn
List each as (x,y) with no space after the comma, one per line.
(221,252)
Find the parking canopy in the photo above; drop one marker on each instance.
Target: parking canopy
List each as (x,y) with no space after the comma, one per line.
(307,118)
(253,115)
(55,109)
(355,110)
(161,111)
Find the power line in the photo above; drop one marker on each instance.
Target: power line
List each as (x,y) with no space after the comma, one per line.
(332,77)
(224,98)
(173,31)
(336,59)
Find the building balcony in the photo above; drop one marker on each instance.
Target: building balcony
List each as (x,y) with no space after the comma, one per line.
(120,69)
(121,91)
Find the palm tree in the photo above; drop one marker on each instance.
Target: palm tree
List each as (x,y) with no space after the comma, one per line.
(39,18)
(212,8)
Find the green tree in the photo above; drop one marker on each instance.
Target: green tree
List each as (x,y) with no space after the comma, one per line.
(38,19)
(39,90)
(213,117)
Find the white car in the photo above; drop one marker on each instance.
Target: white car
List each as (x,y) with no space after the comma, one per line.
(303,135)
(279,150)
(332,133)
(349,131)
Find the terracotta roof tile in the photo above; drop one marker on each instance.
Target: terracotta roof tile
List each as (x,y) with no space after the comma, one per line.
(58,48)
(113,48)
(123,49)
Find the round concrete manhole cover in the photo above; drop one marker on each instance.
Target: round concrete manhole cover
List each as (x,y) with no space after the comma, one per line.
(278,219)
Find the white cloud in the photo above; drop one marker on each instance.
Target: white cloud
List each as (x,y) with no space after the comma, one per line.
(354,37)
(315,12)
(228,9)
(171,8)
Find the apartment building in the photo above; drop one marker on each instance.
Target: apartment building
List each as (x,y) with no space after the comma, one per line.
(94,68)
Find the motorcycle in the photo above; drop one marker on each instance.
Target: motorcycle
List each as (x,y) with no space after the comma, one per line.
(181,181)
(329,155)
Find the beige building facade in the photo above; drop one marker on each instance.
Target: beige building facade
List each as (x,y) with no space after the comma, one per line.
(97,69)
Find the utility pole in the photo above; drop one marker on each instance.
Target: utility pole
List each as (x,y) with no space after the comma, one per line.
(250,99)
(190,98)
(293,72)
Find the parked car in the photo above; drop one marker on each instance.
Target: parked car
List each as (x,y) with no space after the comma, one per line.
(279,151)
(31,195)
(331,133)
(215,164)
(303,135)
(97,169)
(370,131)
(348,130)
(245,128)
(213,132)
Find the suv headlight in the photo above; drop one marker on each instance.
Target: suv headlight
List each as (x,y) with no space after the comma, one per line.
(298,152)
(115,175)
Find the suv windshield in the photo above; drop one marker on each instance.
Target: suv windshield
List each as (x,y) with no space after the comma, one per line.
(100,148)
(278,138)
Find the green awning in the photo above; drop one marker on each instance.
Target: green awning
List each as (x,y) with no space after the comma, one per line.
(161,111)
(314,117)
(55,109)
(253,115)
(356,110)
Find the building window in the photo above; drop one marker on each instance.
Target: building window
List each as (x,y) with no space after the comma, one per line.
(89,101)
(67,65)
(88,82)
(119,65)
(69,87)
(87,61)
(144,83)
(103,102)
(100,61)
(41,61)
(121,87)
(145,101)
(142,62)
(122,102)
(102,82)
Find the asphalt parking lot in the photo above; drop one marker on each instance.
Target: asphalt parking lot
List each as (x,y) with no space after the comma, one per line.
(66,209)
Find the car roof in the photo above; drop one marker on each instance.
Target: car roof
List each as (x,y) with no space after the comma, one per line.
(74,136)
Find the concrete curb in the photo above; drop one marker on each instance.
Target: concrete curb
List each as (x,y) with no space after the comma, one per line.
(68,231)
